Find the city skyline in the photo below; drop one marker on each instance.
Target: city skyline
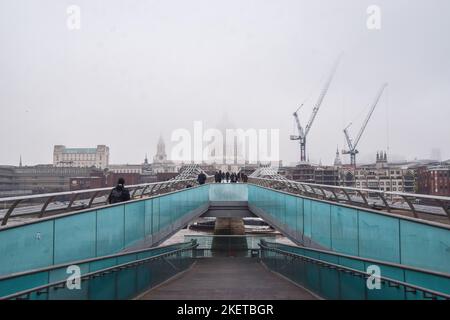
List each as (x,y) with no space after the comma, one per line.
(367,158)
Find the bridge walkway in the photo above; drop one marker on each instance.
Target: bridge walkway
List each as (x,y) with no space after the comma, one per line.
(228,278)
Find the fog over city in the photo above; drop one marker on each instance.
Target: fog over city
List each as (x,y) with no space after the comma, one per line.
(137,69)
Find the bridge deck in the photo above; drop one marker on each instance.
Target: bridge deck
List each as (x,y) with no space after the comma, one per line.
(228,278)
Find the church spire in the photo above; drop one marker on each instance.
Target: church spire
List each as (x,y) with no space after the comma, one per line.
(20,161)
(161,155)
(337,159)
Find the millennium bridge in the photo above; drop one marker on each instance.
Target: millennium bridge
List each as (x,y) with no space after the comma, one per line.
(347,243)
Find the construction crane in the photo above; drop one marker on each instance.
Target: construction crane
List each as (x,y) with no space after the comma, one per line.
(352,151)
(302,134)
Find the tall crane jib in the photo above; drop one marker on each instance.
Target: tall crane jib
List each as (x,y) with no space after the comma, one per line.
(303,133)
(352,144)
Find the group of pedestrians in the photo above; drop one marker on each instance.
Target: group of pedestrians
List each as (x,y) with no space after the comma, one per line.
(227,177)
(120,194)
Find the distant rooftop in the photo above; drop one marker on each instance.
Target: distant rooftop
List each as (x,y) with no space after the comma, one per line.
(80,150)
(443,167)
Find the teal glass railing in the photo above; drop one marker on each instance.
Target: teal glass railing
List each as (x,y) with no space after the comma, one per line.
(40,277)
(341,231)
(339,277)
(432,280)
(354,231)
(97,232)
(116,277)
(228,192)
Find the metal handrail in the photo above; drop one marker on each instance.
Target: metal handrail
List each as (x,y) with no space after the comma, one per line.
(415,195)
(63,265)
(56,194)
(373,261)
(356,272)
(97,273)
(441,201)
(43,206)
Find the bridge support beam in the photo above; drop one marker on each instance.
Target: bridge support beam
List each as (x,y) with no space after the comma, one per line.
(229,226)
(229,245)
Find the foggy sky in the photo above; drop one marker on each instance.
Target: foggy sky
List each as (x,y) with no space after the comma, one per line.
(140,68)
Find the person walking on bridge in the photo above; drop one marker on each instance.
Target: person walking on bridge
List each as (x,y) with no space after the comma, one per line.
(217,177)
(119,193)
(201,178)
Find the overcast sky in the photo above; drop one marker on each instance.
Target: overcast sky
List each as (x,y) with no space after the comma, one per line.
(139,68)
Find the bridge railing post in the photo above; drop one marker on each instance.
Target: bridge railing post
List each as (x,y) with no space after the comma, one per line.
(10,211)
(383,198)
(411,205)
(44,207)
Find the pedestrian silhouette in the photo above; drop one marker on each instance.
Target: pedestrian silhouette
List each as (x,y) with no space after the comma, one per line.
(119,193)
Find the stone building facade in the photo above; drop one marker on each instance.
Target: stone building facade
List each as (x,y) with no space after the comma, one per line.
(81,157)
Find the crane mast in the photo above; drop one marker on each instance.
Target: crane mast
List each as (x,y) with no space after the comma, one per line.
(302,134)
(321,97)
(347,137)
(352,151)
